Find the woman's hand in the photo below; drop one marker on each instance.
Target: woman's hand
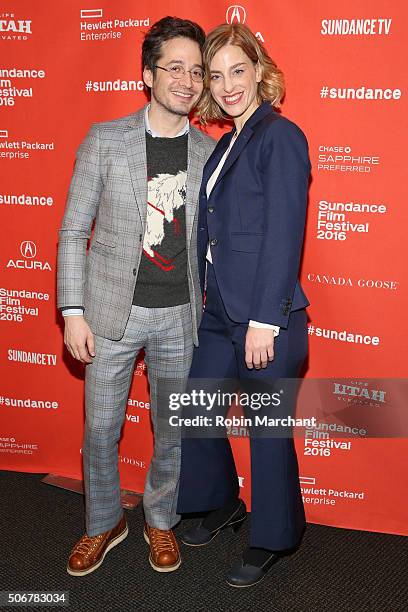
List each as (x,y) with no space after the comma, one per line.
(259,348)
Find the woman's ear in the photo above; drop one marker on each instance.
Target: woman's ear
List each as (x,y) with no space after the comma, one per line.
(258,72)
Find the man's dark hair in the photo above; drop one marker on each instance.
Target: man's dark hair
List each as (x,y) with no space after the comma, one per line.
(166,29)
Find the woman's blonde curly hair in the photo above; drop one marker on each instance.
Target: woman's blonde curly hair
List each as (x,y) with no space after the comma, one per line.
(271,87)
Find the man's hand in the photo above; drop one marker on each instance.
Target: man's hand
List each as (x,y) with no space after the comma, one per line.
(259,347)
(79,339)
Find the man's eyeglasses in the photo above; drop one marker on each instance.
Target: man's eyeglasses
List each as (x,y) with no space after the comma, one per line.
(178,72)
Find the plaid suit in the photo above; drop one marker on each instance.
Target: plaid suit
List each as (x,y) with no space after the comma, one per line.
(109,185)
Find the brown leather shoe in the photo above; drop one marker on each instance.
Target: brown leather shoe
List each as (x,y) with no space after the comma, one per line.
(164,551)
(89,553)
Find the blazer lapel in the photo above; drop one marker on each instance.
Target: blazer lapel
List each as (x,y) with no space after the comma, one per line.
(215,158)
(195,163)
(135,140)
(247,131)
(237,147)
(195,155)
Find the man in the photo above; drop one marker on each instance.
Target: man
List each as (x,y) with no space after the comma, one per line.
(138,177)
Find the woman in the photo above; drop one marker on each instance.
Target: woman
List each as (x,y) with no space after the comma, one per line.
(251,223)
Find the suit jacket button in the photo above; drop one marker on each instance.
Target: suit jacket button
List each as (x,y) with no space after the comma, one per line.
(134,271)
(211,209)
(213,242)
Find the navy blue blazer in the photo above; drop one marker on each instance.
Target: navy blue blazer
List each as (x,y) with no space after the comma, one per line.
(254,219)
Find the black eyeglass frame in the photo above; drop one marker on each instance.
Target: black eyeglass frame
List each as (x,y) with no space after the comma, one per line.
(183,73)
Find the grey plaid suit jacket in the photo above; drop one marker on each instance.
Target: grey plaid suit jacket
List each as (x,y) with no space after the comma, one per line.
(109,185)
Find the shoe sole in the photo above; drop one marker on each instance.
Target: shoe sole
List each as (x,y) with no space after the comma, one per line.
(204,543)
(119,538)
(245,586)
(214,536)
(170,568)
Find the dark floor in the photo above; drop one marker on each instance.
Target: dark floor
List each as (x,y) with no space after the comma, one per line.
(333,570)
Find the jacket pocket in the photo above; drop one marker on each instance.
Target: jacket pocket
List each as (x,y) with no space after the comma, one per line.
(105,237)
(246,242)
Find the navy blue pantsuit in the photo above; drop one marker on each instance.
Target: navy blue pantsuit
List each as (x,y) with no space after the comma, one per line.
(208,477)
(254,221)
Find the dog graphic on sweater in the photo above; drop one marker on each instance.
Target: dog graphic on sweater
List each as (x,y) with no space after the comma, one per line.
(166,194)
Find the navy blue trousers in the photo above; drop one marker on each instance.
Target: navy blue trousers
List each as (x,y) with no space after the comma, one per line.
(208,478)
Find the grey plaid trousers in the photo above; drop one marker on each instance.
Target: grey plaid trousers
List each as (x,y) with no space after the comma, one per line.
(165,334)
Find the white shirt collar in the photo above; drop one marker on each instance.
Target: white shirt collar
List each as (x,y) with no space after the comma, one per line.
(150,131)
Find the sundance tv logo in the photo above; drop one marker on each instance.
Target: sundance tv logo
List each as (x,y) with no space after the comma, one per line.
(356,27)
(28,250)
(13,28)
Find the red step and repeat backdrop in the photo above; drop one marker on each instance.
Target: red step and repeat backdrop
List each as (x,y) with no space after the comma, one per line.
(69,63)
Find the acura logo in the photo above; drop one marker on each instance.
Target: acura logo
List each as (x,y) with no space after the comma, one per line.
(236,13)
(28,249)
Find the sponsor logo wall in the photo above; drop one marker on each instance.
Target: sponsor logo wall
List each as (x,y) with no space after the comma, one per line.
(68,64)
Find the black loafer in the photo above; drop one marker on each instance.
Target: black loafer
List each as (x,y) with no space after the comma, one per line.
(244,574)
(200,535)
